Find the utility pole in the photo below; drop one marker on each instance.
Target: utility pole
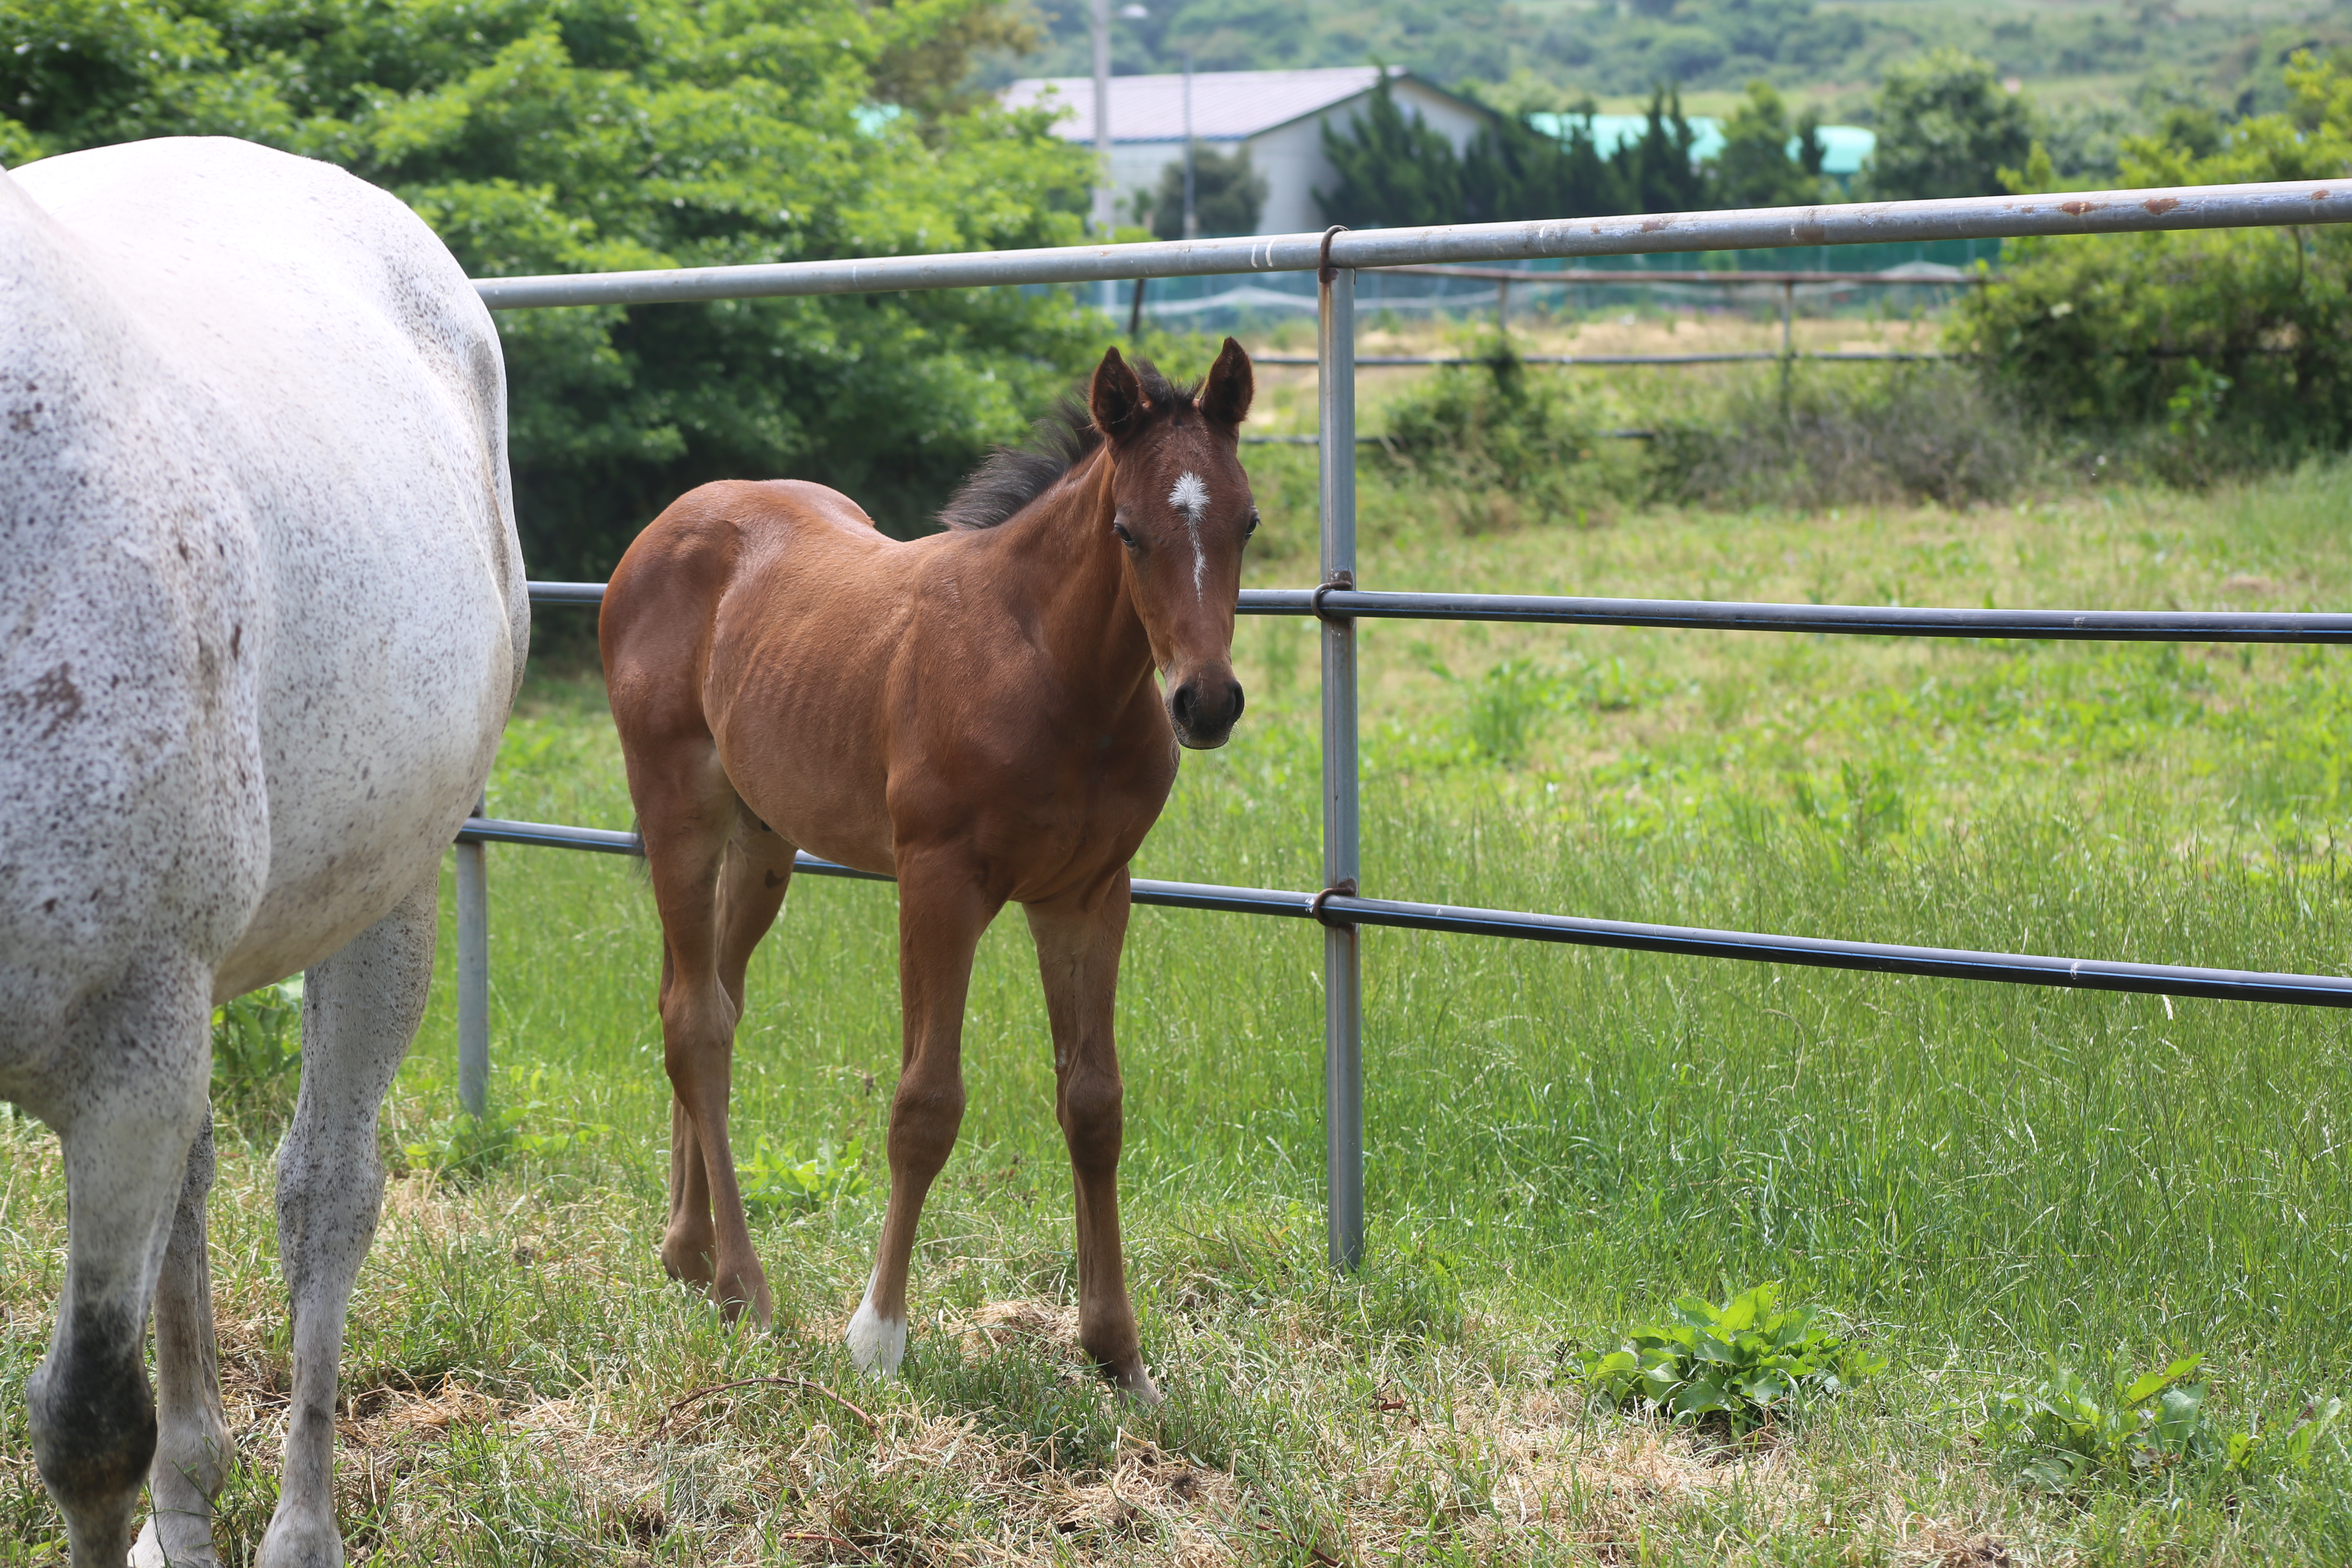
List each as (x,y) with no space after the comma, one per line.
(1104,217)
(1192,215)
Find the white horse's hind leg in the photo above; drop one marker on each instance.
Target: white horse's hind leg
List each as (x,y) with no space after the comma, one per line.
(359,1010)
(125,1129)
(193,1444)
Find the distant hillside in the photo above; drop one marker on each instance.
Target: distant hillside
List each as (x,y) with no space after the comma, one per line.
(1542,53)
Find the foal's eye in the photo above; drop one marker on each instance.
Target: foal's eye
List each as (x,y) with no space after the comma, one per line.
(1253,524)
(1124,537)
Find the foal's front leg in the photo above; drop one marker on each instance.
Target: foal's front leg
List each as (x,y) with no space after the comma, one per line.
(1079,941)
(942,912)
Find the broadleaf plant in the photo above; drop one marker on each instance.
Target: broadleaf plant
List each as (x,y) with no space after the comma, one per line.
(774,1179)
(2072,1431)
(1737,1366)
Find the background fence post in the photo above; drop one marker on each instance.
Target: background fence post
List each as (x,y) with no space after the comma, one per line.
(1787,347)
(474,973)
(1343,1012)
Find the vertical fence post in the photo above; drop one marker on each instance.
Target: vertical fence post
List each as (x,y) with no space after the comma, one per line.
(1787,352)
(1343,1013)
(474,973)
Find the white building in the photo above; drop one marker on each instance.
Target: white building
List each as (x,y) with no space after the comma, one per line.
(1278,115)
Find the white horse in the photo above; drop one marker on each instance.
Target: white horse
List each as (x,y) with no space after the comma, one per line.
(262,615)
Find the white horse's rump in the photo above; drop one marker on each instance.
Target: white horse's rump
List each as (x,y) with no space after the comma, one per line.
(262,615)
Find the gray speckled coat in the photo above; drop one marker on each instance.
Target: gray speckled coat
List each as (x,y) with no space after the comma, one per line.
(262,615)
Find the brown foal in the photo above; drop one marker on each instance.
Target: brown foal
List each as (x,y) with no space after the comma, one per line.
(975,712)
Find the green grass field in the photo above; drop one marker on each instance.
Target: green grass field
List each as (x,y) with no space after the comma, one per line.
(1972,1180)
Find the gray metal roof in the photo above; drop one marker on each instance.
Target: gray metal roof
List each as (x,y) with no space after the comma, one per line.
(1227,106)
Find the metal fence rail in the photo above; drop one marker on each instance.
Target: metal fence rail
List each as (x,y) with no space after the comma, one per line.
(1859,223)
(1604,277)
(1339,603)
(1696,942)
(1731,357)
(1733,615)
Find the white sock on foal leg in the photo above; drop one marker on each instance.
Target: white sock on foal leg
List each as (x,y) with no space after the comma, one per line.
(876,1344)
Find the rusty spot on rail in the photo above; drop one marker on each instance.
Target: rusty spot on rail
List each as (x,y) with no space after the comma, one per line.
(2076,208)
(2320,195)
(1652,226)
(2161,204)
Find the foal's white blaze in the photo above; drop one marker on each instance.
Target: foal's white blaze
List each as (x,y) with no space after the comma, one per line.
(877,1343)
(1191,497)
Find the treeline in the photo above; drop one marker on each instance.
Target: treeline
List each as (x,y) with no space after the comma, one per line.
(2232,56)
(1395,171)
(586,135)
(2182,357)
(1946,127)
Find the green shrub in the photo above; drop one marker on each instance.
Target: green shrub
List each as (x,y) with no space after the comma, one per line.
(1496,445)
(1906,432)
(258,1059)
(2195,352)
(2069,1432)
(1737,1366)
(463,1149)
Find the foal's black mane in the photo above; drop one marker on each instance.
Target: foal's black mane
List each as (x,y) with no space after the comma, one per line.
(1012,477)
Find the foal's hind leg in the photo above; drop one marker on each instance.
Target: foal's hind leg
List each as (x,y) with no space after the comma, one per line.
(753,880)
(359,1010)
(192,1449)
(1078,942)
(125,1127)
(688,814)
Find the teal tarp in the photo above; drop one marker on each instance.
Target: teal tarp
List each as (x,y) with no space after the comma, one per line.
(1843,146)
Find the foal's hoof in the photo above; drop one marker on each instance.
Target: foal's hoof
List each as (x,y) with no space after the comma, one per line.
(689,1259)
(743,1299)
(1134,1385)
(876,1345)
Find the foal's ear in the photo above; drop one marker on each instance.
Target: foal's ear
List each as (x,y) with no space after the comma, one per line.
(1224,400)
(1116,399)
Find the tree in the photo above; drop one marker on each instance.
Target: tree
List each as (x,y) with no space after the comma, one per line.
(578,135)
(1656,173)
(1393,173)
(1945,128)
(1227,191)
(1756,168)
(1514,171)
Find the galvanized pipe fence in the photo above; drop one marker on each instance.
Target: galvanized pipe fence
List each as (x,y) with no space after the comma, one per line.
(1338,602)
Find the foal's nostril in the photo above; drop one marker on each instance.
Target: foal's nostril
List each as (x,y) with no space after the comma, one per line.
(1185,705)
(1240,701)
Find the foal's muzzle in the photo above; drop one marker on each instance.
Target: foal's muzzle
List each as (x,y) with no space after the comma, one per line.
(1203,708)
